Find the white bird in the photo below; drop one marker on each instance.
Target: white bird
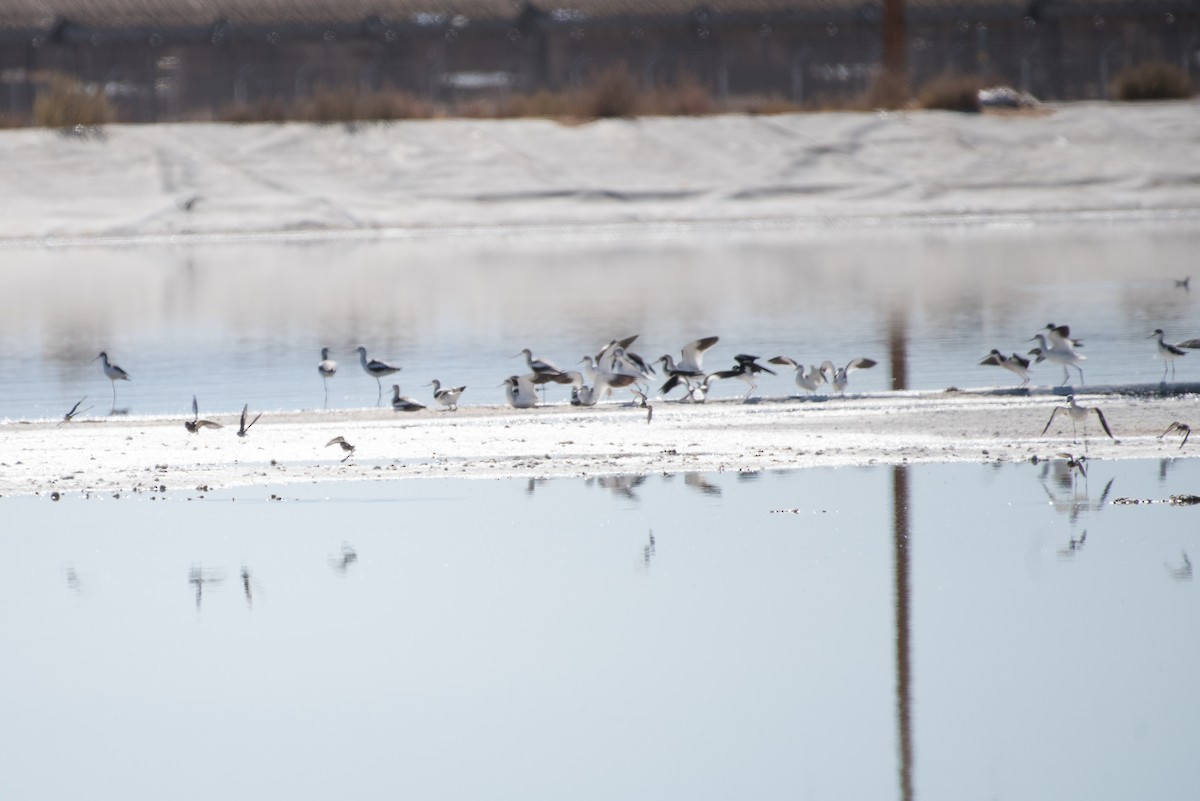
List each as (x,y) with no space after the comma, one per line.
(1078,414)
(583,395)
(677,375)
(693,354)
(839,377)
(113,373)
(244,428)
(807,378)
(1015,364)
(1169,353)
(1059,350)
(520,392)
(326,367)
(403,403)
(375,368)
(449,396)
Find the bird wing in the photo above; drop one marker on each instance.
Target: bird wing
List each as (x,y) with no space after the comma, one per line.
(255,420)
(693,352)
(783,360)
(992,359)
(195,409)
(245,408)
(1191,344)
(334,441)
(1016,357)
(860,364)
(1057,409)
(208,424)
(1103,422)
(669,384)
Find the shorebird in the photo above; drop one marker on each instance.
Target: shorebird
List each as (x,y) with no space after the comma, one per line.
(448,397)
(1079,414)
(520,392)
(326,367)
(1016,364)
(403,403)
(677,375)
(542,371)
(1184,283)
(113,373)
(1062,335)
(807,378)
(583,395)
(745,369)
(1178,428)
(643,402)
(1169,353)
(69,416)
(839,377)
(345,446)
(375,368)
(195,424)
(244,428)
(1059,350)
(693,354)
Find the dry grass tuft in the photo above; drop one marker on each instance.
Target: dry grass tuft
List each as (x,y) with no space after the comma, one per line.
(612,92)
(1154,80)
(887,91)
(952,92)
(66,103)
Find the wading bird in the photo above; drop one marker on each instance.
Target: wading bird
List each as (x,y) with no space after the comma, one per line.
(1016,364)
(69,416)
(745,368)
(520,392)
(1058,350)
(113,373)
(326,367)
(1078,414)
(839,377)
(195,424)
(375,368)
(808,378)
(1169,353)
(447,396)
(403,403)
(345,446)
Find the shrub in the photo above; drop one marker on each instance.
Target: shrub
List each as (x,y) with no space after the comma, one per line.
(265,109)
(887,91)
(951,92)
(613,92)
(1155,80)
(66,103)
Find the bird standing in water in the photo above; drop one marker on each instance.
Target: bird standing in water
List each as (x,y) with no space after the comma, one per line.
(113,373)
(326,367)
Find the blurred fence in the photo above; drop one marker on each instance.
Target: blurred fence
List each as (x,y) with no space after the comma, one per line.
(1054,50)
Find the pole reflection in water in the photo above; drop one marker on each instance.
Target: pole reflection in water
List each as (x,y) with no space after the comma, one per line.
(900,540)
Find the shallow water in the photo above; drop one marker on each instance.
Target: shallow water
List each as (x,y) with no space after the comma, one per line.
(996,631)
(243,322)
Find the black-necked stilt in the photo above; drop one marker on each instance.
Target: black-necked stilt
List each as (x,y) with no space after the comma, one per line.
(69,416)
(808,378)
(1079,414)
(345,446)
(745,369)
(677,375)
(195,424)
(839,377)
(326,367)
(448,396)
(113,373)
(375,368)
(1060,351)
(403,403)
(244,428)
(520,392)
(1169,353)
(1016,364)
(1178,428)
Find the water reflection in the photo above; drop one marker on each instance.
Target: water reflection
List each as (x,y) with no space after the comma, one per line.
(1073,546)
(343,560)
(1065,482)
(648,551)
(620,485)
(901,547)
(1183,571)
(698,481)
(200,577)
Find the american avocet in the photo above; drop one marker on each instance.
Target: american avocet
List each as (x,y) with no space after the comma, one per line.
(839,377)
(1059,350)
(403,403)
(113,373)
(1169,353)
(1016,364)
(808,378)
(244,428)
(447,396)
(375,368)
(1078,414)
(195,424)
(520,392)
(326,367)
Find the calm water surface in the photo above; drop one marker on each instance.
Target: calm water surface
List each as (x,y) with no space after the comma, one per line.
(935,632)
(244,322)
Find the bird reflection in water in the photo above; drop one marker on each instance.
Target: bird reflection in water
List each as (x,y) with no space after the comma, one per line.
(246,587)
(1073,546)
(73,583)
(532,484)
(1065,482)
(199,577)
(648,551)
(1164,466)
(623,485)
(699,482)
(342,561)
(1182,572)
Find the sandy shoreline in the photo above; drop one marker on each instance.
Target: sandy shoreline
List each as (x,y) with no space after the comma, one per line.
(122,455)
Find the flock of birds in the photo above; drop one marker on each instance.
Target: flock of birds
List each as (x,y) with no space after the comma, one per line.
(616,366)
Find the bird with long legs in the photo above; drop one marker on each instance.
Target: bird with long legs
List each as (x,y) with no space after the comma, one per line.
(1016,364)
(346,447)
(195,424)
(1060,351)
(1170,352)
(113,373)
(839,377)
(375,368)
(1078,414)
(326,368)
(745,368)
(808,378)
(1178,428)
(446,396)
